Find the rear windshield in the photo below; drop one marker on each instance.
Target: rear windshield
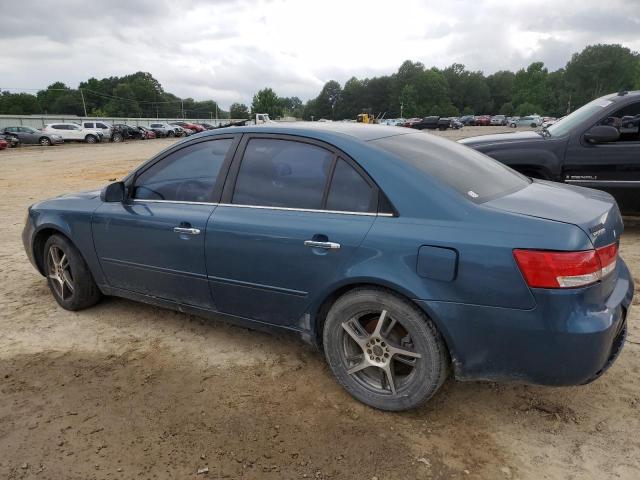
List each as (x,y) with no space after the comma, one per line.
(474,175)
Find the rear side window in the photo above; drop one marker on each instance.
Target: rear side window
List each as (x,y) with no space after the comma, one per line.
(188,175)
(349,191)
(282,173)
(101,125)
(88,125)
(474,175)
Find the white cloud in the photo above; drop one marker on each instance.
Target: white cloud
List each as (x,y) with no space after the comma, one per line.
(229,49)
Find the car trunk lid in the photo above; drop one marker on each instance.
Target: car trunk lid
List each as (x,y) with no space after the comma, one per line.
(593,211)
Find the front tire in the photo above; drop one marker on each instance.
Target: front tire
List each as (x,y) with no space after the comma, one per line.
(45,142)
(90,139)
(68,275)
(117,138)
(171,134)
(383,350)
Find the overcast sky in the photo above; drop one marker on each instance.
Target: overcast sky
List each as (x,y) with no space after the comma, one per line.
(229,49)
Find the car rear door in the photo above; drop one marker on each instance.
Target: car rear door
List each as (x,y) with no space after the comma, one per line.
(153,243)
(284,230)
(613,167)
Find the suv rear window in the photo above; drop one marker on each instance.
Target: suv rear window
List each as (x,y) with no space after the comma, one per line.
(474,175)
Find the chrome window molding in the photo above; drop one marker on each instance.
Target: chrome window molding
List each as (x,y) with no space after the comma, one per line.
(309,210)
(142,200)
(267,207)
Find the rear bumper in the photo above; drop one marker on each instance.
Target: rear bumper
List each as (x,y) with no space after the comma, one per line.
(570,338)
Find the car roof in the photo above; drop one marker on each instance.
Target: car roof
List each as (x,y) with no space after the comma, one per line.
(364,132)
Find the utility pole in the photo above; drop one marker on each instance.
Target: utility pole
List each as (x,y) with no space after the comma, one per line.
(182,108)
(401,107)
(216,113)
(83,104)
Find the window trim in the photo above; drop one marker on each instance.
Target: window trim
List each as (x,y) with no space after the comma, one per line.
(232,176)
(130,181)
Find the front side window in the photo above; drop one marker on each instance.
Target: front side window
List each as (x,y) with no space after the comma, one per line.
(187,175)
(88,125)
(627,121)
(282,173)
(349,191)
(59,127)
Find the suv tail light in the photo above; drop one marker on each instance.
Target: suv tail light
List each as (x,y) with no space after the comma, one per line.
(551,269)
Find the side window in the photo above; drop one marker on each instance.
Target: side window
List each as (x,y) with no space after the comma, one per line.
(101,125)
(59,127)
(282,173)
(188,175)
(627,121)
(349,192)
(88,125)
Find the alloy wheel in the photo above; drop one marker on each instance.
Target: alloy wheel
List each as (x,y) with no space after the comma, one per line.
(379,352)
(60,272)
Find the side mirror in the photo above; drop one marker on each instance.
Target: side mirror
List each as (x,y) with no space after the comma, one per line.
(602,134)
(114,192)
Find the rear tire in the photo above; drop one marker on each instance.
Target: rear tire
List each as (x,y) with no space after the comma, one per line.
(45,142)
(90,139)
(383,350)
(171,133)
(117,138)
(68,275)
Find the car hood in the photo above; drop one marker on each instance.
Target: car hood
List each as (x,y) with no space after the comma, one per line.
(527,136)
(89,194)
(594,211)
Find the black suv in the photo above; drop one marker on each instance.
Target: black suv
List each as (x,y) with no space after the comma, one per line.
(596,146)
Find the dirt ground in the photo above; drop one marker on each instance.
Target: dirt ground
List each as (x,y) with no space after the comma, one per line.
(130,391)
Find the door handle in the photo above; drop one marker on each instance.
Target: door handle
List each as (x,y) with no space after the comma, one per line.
(187,230)
(326,245)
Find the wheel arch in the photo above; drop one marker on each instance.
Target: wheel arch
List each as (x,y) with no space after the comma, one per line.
(321,309)
(40,237)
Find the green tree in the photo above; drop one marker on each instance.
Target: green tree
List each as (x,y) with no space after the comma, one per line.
(600,69)
(266,101)
(507,109)
(18,103)
(467,89)
(239,110)
(530,88)
(501,87)
(328,99)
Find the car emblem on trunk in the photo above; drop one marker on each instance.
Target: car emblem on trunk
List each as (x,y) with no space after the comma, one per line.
(598,230)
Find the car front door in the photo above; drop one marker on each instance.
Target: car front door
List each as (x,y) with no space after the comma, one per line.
(28,135)
(153,243)
(292,214)
(613,167)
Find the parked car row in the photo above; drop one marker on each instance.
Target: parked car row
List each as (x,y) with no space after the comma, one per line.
(95,132)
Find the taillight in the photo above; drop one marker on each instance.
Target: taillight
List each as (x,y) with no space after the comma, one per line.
(550,269)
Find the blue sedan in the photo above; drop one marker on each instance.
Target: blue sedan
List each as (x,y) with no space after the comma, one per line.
(406,257)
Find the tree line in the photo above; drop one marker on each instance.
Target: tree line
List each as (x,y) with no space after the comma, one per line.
(135,95)
(413,91)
